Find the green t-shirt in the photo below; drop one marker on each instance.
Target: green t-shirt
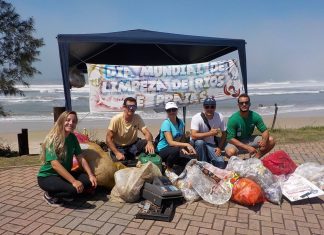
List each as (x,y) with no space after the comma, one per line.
(242,128)
(72,147)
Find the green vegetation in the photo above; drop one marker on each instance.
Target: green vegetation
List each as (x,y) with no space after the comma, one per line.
(28,160)
(304,134)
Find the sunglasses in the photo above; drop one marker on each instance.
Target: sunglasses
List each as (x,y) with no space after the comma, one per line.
(209,106)
(131,107)
(171,110)
(244,103)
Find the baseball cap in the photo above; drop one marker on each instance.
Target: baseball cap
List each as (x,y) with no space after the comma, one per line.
(171,105)
(209,101)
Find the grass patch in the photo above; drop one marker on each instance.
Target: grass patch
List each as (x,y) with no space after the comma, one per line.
(27,160)
(304,134)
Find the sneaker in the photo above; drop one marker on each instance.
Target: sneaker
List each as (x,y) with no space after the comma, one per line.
(52,201)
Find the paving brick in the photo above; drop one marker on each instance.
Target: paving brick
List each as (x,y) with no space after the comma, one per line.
(94,223)
(290,225)
(40,230)
(209,231)
(74,222)
(172,231)
(114,220)
(229,230)
(64,221)
(235,224)
(277,217)
(48,221)
(164,224)
(106,216)
(12,227)
(86,228)
(123,216)
(96,214)
(182,224)
(266,230)
(284,231)
(30,228)
(309,225)
(209,218)
(59,230)
(118,229)
(271,224)
(133,225)
(154,230)
(134,231)
(311,218)
(105,229)
(146,224)
(200,211)
(21,222)
(200,224)
(254,224)
(298,211)
(247,231)
(218,224)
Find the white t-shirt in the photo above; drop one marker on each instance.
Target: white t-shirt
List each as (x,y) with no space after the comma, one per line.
(198,124)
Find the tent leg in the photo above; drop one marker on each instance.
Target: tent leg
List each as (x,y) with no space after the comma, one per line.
(184,112)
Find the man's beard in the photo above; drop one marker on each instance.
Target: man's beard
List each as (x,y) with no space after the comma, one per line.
(244,111)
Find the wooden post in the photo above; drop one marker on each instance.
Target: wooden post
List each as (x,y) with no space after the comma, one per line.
(57,112)
(275,116)
(23,142)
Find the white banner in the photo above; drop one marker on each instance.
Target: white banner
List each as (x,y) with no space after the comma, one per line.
(153,86)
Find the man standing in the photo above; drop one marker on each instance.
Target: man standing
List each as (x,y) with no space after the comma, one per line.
(122,133)
(205,127)
(240,128)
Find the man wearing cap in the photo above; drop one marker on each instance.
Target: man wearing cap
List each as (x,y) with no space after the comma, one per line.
(205,127)
(241,127)
(122,133)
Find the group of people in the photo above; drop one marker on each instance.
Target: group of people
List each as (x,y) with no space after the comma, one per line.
(210,140)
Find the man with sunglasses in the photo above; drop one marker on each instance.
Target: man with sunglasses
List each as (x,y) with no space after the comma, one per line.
(240,128)
(122,133)
(205,129)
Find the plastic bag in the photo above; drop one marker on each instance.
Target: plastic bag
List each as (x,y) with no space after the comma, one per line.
(129,182)
(247,192)
(279,163)
(211,183)
(182,182)
(312,171)
(253,168)
(81,137)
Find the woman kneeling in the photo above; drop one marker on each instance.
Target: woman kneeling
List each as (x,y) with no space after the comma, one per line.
(55,176)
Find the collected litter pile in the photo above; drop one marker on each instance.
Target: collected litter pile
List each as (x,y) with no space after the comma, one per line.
(246,182)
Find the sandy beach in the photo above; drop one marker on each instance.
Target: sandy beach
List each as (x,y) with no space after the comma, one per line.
(97,129)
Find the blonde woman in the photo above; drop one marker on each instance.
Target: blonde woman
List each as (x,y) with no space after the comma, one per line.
(55,176)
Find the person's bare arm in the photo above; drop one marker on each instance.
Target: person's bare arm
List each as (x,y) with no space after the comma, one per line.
(171,142)
(112,146)
(196,135)
(149,137)
(87,169)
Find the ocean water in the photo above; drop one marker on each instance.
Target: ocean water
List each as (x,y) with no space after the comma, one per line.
(299,98)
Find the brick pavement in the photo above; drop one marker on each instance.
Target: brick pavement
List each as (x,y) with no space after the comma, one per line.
(23,211)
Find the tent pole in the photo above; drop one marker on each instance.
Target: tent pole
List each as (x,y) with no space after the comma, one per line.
(184,112)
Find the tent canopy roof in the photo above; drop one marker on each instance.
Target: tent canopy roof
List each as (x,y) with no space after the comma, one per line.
(141,47)
(144,47)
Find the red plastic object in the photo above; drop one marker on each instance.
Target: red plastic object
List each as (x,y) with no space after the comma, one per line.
(81,137)
(279,163)
(247,192)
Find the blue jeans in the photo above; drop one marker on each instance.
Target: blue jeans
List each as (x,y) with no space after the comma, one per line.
(206,153)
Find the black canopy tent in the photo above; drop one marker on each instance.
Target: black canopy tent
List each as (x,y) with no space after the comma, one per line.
(141,47)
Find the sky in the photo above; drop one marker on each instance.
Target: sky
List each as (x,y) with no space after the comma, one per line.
(284,37)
